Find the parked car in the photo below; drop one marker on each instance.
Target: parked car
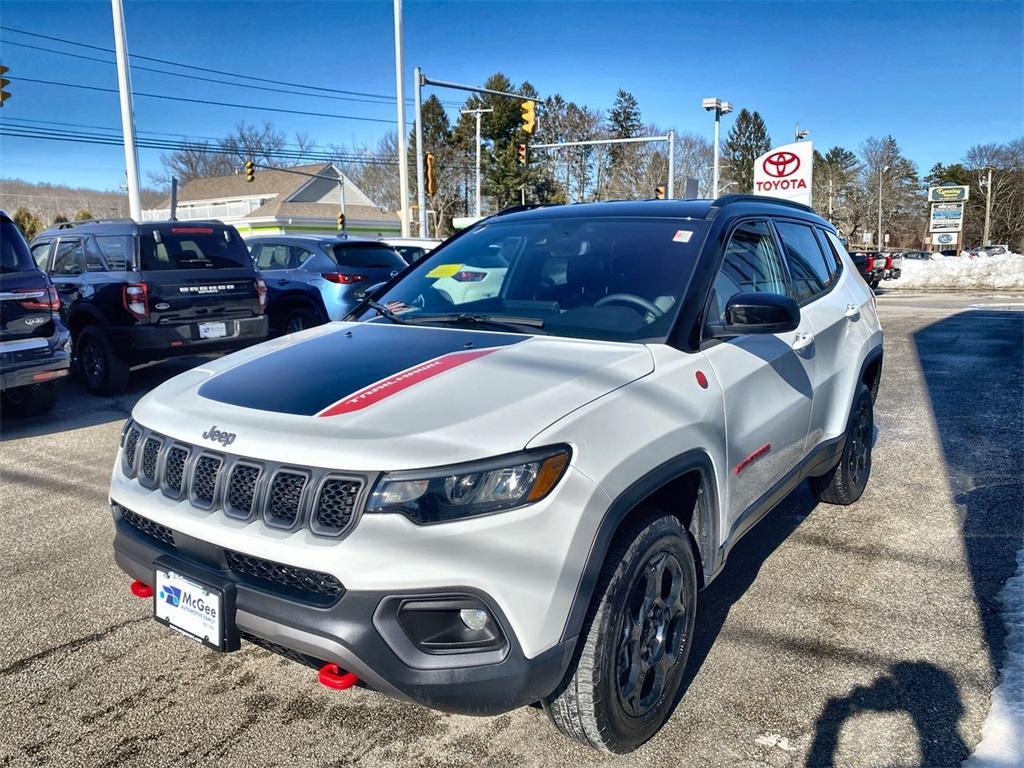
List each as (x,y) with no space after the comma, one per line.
(893,266)
(412,249)
(949,252)
(316,278)
(870,265)
(481,504)
(137,293)
(918,255)
(34,344)
(991,250)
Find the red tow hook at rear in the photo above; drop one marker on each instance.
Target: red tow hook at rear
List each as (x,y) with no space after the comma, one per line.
(335,677)
(141,589)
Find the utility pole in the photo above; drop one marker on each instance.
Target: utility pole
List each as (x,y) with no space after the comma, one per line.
(671,164)
(403,157)
(124,88)
(421,187)
(988,208)
(478,113)
(881,175)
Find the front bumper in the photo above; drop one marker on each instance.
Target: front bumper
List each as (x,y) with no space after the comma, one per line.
(358,632)
(147,343)
(20,367)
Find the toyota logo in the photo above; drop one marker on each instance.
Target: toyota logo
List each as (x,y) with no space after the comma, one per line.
(781,164)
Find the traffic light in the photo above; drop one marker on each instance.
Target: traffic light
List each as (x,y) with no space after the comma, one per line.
(341,221)
(250,170)
(529,109)
(521,154)
(4,82)
(659,193)
(431,178)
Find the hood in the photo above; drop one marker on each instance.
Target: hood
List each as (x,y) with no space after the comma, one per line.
(370,396)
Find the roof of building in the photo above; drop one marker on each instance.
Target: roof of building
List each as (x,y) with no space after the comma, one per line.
(267,182)
(282,208)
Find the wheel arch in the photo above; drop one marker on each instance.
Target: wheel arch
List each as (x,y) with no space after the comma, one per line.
(82,316)
(295,299)
(684,487)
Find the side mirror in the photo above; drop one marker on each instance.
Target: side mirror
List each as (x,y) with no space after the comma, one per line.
(758,313)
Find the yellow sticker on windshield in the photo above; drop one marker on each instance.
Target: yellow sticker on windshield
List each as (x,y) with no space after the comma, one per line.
(444,270)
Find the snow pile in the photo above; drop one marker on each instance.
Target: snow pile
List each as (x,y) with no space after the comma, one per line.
(1004,272)
(1002,733)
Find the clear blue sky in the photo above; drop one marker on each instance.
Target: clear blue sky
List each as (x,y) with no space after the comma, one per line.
(939,76)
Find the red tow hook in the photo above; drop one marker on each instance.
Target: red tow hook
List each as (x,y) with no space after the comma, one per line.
(335,677)
(141,589)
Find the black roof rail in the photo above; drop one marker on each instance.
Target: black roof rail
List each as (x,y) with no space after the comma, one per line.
(72,224)
(526,207)
(736,198)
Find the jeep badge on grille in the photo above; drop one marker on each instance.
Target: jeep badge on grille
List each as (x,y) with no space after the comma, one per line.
(217,436)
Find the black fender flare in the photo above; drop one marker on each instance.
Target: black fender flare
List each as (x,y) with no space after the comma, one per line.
(703,526)
(81,315)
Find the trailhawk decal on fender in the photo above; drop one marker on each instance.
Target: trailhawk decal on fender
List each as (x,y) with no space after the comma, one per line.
(350,368)
(401,381)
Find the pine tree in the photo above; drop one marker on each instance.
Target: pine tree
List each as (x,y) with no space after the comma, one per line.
(747,140)
(623,123)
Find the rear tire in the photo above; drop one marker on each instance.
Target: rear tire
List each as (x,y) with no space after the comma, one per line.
(102,371)
(33,400)
(846,481)
(629,664)
(300,319)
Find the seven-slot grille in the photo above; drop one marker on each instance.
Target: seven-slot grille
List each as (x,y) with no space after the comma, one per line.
(284,497)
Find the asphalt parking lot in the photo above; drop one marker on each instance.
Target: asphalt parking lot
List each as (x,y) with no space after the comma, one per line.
(859,636)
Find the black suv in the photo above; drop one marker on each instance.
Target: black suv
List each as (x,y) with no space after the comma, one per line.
(34,344)
(135,293)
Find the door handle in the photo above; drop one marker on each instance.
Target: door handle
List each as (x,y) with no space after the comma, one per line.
(852,310)
(802,341)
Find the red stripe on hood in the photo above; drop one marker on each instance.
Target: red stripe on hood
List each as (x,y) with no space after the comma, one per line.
(392,385)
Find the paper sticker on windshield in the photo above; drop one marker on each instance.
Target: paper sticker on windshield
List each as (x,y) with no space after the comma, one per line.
(682,236)
(444,270)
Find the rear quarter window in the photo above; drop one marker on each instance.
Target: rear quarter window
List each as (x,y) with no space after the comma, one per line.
(14,253)
(117,250)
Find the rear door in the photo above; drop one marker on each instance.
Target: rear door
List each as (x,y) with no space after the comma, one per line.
(24,292)
(196,272)
(376,262)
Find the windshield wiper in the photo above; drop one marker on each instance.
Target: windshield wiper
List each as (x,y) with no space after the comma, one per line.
(472,318)
(383,311)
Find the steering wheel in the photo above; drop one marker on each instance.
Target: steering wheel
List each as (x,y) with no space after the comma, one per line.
(631,298)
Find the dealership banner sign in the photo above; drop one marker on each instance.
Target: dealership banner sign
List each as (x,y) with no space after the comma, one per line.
(946,217)
(949,194)
(786,172)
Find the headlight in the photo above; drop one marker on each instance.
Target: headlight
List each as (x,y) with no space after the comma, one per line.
(467,490)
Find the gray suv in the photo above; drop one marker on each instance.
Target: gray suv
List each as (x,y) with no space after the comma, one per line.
(312,279)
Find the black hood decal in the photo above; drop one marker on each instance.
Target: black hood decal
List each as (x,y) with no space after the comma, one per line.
(310,377)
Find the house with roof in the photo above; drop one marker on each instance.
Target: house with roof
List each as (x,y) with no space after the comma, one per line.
(301,200)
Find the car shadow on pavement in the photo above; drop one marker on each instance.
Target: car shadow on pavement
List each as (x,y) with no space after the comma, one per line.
(77,408)
(973,365)
(924,691)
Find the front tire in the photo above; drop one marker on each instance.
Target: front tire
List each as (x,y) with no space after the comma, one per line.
(102,371)
(627,672)
(300,319)
(846,481)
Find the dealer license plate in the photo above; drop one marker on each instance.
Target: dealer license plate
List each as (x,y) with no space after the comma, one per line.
(212,330)
(191,608)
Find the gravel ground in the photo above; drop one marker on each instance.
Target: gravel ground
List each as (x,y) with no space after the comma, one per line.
(859,636)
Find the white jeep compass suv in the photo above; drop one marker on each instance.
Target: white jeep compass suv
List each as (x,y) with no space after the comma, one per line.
(514,499)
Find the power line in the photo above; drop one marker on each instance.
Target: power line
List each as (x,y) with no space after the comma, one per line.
(207,101)
(210,70)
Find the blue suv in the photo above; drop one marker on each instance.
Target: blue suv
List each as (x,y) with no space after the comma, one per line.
(316,278)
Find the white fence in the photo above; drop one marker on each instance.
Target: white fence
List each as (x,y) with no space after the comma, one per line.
(189,212)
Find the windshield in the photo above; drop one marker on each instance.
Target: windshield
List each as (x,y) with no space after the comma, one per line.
(192,247)
(369,256)
(616,279)
(14,253)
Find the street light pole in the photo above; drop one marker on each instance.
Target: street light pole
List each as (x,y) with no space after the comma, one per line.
(124,88)
(403,157)
(478,113)
(988,209)
(881,175)
(421,186)
(671,165)
(720,108)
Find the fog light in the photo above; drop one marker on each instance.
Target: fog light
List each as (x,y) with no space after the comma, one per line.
(474,618)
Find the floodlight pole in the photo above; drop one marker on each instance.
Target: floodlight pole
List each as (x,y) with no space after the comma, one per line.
(403,161)
(421,186)
(124,89)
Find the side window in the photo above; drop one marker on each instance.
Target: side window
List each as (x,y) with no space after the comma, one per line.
(41,254)
(118,250)
(272,256)
(93,258)
(69,259)
(838,249)
(297,256)
(807,266)
(751,263)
